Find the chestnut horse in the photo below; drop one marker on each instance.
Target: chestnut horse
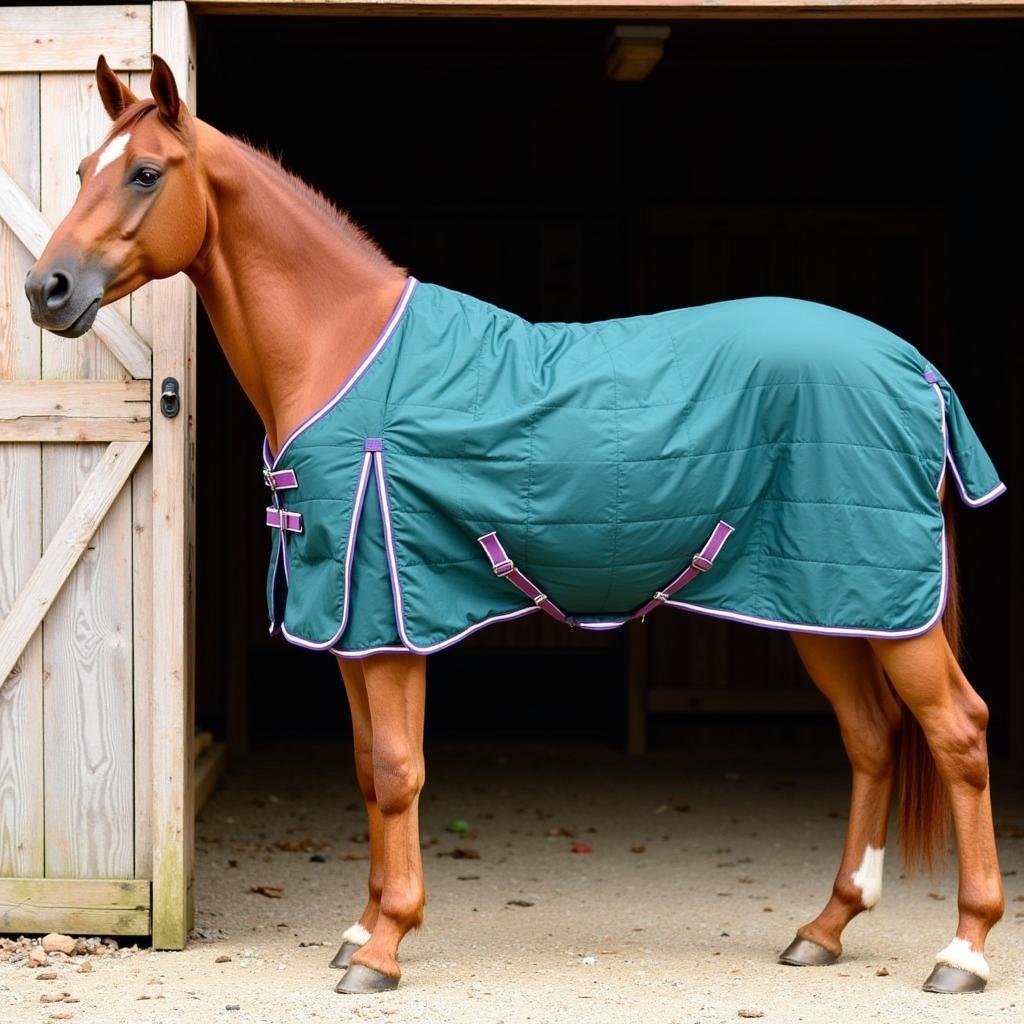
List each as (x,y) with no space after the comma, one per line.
(296,295)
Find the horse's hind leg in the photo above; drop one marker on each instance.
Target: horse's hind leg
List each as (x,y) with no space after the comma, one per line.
(395,695)
(362,740)
(925,673)
(848,673)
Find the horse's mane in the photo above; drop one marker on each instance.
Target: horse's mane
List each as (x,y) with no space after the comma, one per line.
(316,201)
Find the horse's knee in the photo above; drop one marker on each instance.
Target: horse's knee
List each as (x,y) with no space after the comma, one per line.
(398,778)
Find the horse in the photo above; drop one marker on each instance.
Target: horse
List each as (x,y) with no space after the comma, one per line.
(303,304)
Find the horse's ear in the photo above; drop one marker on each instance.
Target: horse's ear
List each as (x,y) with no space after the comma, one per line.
(116,96)
(165,91)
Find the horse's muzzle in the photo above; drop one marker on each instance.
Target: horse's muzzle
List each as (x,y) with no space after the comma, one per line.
(63,300)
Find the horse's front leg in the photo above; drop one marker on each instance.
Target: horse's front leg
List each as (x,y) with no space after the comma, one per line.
(954,718)
(362,740)
(395,686)
(848,673)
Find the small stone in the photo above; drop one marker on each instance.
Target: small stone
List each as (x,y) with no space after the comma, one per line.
(232,1006)
(46,976)
(750,1013)
(37,957)
(57,943)
(222,960)
(882,972)
(54,997)
(86,968)
(589,960)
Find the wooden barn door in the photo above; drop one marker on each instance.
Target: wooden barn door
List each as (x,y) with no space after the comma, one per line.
(96,493)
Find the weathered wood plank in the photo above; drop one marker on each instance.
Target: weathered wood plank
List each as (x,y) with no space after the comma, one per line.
(69,38)
(21,543)
(34,230)
(74,906)
(631,9)
(87,639)
(173,555)
(64,550)
(142,596)
(103,410)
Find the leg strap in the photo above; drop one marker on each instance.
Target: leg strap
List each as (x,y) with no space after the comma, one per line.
(699,564)
(503,567)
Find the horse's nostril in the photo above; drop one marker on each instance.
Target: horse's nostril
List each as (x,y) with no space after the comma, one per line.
(57,289)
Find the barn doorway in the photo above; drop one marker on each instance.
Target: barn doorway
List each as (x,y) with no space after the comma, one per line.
(860,164)
(863,165)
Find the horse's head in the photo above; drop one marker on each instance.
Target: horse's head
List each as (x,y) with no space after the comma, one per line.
(140,213)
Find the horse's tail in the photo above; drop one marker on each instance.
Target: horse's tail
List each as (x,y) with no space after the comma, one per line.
(924,813)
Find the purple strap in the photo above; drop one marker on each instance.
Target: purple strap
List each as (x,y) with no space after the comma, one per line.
(699,564)
(503,567)
(282,520)
(280,479)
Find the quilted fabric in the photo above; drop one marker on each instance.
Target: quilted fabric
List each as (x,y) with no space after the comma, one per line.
(603,455)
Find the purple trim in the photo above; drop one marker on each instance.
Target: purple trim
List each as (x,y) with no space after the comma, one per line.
(985,499)
(373,444)
(387,331)
(281,479)
(505,569)
(699,564)
(353,526)
(279,519)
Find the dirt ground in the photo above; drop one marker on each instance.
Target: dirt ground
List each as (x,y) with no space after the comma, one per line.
(700,870)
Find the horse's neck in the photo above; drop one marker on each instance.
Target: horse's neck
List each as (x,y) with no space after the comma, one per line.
(295,304)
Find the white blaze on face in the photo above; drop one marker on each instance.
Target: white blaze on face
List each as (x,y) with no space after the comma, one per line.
(112,150)
(868,877)
(959,953)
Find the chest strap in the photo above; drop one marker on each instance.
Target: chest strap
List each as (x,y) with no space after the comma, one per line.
(279,519)
(701,562)
(280,479)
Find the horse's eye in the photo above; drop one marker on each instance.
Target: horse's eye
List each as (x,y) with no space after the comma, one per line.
(146,177)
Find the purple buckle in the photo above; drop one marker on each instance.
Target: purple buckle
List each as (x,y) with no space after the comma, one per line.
(280,480)
(700,563)
(279,519)
(502,569)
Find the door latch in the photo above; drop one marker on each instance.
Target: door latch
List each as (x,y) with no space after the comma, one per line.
(170,399)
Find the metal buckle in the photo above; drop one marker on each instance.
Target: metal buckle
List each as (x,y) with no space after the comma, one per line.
(501,570)
(660,595)
(540,599)
(697,559)
(268,479)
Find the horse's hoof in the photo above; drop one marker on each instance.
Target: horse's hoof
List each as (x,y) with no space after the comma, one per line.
(360,980)
(953,980)
(805,953)
(343,958)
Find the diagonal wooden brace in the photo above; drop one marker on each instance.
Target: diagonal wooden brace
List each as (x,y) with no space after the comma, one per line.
(65,549)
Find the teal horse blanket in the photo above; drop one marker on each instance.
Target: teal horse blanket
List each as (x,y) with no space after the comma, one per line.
(779,459)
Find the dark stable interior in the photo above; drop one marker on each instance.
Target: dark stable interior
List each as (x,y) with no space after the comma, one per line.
(867,165)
